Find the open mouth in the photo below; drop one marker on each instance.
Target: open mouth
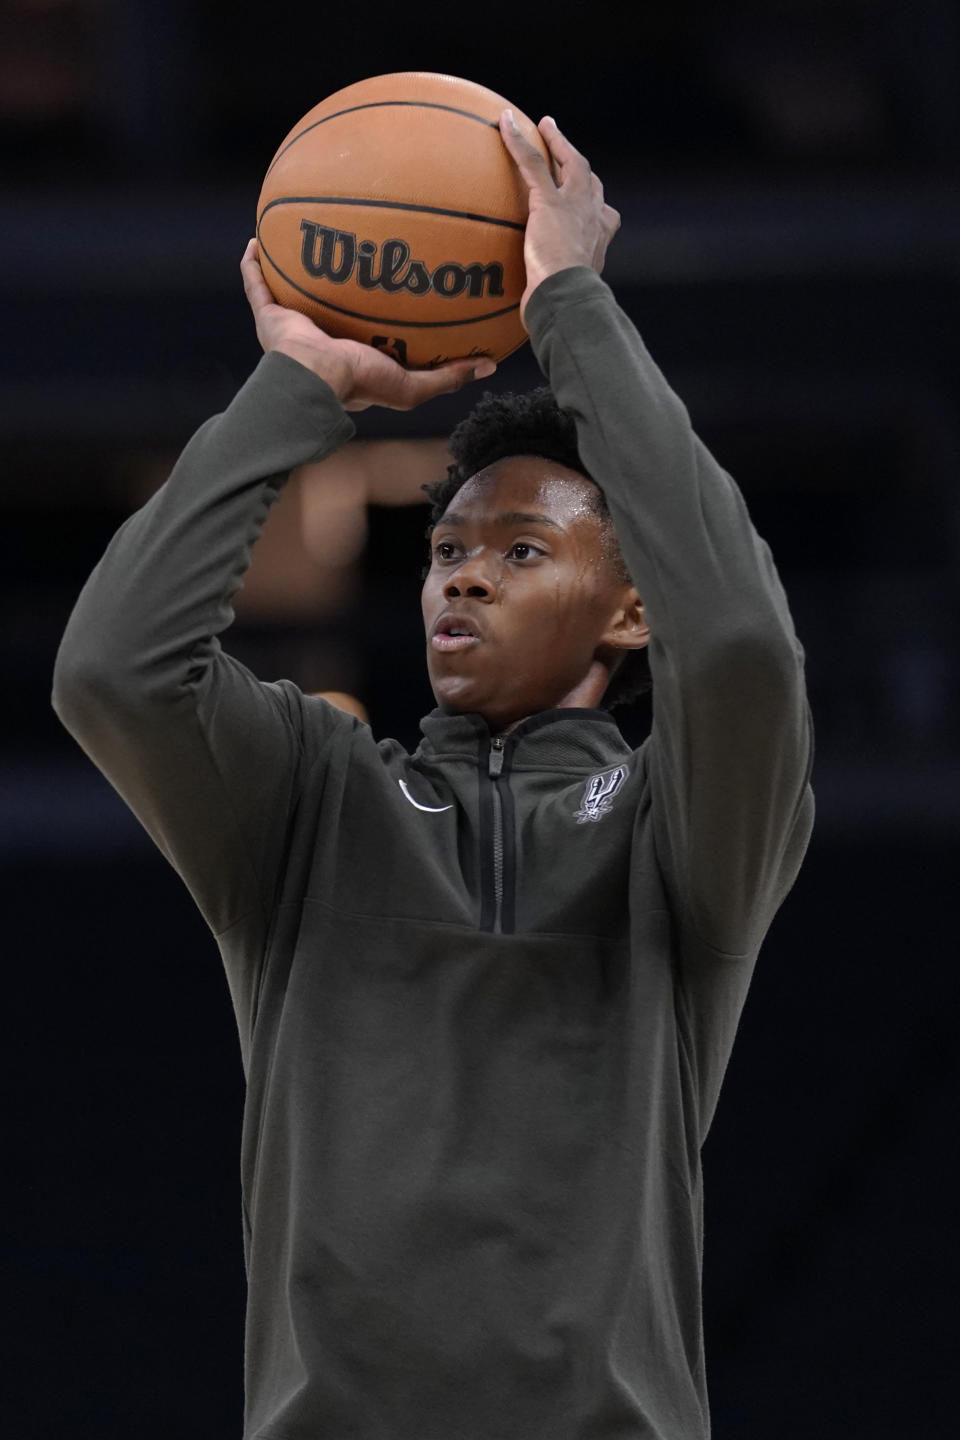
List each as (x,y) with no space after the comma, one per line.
(453,633)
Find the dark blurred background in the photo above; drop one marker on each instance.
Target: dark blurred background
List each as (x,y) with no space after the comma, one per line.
(787,175)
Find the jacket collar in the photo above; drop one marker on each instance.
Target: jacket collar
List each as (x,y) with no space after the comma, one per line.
(568,739)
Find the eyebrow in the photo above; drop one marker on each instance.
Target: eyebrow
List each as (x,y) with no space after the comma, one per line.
(511,517)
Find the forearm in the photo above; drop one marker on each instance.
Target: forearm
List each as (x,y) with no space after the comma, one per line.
(731,745)
(704,575)
(163,589)
(204,754)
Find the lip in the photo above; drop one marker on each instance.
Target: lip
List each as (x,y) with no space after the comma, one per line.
(443,641)
(448,643)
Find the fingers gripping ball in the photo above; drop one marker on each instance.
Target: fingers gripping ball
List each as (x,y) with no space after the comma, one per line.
(393,214)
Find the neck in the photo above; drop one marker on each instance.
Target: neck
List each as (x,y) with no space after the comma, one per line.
(587,694)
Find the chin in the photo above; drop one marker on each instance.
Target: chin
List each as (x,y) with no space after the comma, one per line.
(456,699)
(455,692)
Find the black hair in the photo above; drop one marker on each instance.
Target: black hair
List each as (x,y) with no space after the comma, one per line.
(533,424)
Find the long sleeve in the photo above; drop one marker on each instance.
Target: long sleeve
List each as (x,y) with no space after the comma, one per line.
(204,753)
(730,749)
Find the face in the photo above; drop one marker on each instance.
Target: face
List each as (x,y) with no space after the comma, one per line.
(524,606)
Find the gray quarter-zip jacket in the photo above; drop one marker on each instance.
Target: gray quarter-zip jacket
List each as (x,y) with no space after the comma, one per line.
(485,992)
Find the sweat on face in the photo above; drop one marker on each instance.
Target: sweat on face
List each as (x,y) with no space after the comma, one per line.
(526,605)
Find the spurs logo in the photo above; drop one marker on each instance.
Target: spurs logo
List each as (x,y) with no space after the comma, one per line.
(598,794)
(335,254)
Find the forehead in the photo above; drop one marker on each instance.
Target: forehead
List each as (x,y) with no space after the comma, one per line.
(526,483)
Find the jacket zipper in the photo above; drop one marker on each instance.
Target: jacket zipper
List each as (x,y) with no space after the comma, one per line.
(495,767)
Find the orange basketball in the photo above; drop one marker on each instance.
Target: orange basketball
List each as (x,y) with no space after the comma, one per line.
(393,214)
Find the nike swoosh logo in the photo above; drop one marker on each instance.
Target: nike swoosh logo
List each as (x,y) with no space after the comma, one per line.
(432,809)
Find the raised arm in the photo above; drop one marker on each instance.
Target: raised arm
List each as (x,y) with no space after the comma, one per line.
(207,756)
(203,753)
(731,748)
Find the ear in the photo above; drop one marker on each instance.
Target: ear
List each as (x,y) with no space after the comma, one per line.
(627,628)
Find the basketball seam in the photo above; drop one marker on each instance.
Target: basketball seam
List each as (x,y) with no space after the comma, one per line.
(376,105)
(388,205)
(383,319)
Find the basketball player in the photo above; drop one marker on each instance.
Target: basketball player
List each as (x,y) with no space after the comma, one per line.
(485,992)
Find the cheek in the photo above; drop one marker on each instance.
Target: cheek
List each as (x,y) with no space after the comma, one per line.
(557,629)
(572,599)
(428,596)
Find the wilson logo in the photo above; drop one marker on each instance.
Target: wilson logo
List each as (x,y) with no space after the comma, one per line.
(598,794)
(338,256)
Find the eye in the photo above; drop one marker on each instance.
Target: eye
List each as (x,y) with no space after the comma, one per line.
(445,550)
(523,550)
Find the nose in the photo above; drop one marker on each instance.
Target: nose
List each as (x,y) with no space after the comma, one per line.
(471,579)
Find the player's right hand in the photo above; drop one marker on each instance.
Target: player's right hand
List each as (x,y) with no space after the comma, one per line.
(360,374)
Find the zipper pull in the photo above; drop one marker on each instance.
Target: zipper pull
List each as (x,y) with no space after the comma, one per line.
(496,755)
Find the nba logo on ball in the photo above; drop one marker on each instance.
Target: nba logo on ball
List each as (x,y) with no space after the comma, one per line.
(393,214)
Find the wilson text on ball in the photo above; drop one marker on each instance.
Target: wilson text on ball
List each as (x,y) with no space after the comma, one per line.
(334,255)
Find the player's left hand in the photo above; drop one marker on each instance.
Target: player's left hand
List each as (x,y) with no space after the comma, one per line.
(569,222)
